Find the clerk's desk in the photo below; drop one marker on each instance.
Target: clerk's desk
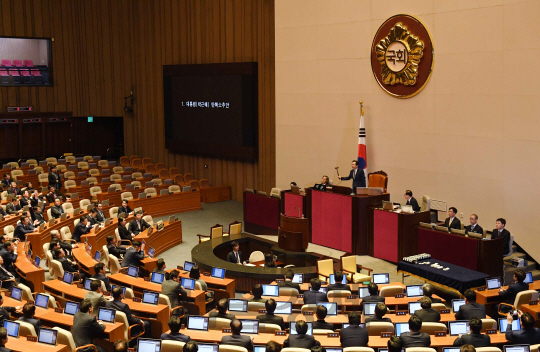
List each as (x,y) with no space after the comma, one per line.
(51,319)
(492,296)
(138,285)
(33,275)
(374,341)
(158,315)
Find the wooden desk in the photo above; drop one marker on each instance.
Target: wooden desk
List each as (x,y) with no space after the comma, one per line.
(138,285)
(23,345)
(168,237)
(215,194)
(226,285)
(34,276)
(116,197)
(86,262)
(169,204)
(354,286)
(492,296)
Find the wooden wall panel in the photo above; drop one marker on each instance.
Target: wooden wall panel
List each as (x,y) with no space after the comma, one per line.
(103,49)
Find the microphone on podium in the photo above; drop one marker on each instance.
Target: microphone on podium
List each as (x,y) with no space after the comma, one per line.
(292,210)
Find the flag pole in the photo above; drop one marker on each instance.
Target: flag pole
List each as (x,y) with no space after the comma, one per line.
(362,157)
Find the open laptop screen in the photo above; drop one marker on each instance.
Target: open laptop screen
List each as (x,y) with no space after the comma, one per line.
(270,290)
(401,328)
(250,326)
(458,327)
(414,291)
(157,278)
(197,323)
(456,303)
(47,336)
(71,308)
(298,278)
(148,345)
(12,328)
(381,278)
(238,305)
(331,307)
(283,308)
(42,300)
(218,272)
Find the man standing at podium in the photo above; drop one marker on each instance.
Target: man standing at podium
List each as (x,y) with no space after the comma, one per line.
(358,177)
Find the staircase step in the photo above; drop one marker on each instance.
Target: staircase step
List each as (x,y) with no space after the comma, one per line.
(513,255)
(536,274)
(515,247)
(509,271)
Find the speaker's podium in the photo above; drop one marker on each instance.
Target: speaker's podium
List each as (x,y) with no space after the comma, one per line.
(293,233)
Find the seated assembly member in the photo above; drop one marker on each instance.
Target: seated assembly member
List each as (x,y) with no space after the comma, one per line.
(236,339)
(320,323)
(338,278)
(314,296)
(415,338)
(269,317)
(528,335)
(354,335)
(411,200)
(289,275)
(428,314)
(235,256)
(474,338)
(470,308)
(300,340)
(221,308)
(474,227)
(452,222)
(380,311)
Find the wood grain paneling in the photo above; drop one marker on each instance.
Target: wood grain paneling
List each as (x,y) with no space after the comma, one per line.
(103,49)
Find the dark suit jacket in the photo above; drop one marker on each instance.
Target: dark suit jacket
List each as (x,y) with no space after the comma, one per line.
(4,313)
(12,208)
(428,315)
(24,202)
(3,212)
(511,292)
(54,180)
(173,290)
(312,297)
(415,339)
(165,273)
(300,341)
(375,319)
(4,349)
(523,336)
(336,287)
(21,231)
(80,230)
(289,283)
(9,258)
(51,197)
(231,257)
(101,217)
(56,212)
(134,228)
(477,340)
(354,336)
(16,191)
(124,210)
(477,229)
(132,257)
(358,181)
(68,266)
(321,324)
(92,220)
(215,314)
(456,224)
(36,216)
(238,340)
(35,322)
(175,337)
(371,299)
(105,280)
(124,233)
(86,329)
(469,310)
(271,319)
(116,250)
(124,308)
(505,235)
(414,203)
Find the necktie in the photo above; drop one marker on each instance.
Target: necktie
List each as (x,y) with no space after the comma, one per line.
(139,224)
(6,272)
(354,174)
(237,259)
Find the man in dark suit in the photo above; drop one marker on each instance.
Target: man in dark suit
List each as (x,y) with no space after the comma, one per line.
(380,311)
(120,306)
(54,178)
(56,209)
(138,224)
(161,266)
(35,213)
(174,325)
(427,289)
(320,323)
(29,310)
(22,228)
(411,200)
(86,327)
(100,216)
(373,297)
(122,231)
(9,255)
(528,335)
(99,270)
(236,339)
(53,194)
(6,181)
(68,265)
(14,189)
(427,314)
(92,217)
(124,209)
(3,340)
(395,344)
(470,308)
(511,292)
(501,232)
(474,338)
(13,207)
(354,335)
(257,292)
(172,289)
(235,256)
(474,227)
(338,278)
(452,222)
(289,275)
(6,311)
(133,255)
(82,228)
(221,308)
(357,175)
(415,338)
(314,296)
(301,340)
(269,317)
(113,249)
(25,199)
(8,279)
(65,245)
